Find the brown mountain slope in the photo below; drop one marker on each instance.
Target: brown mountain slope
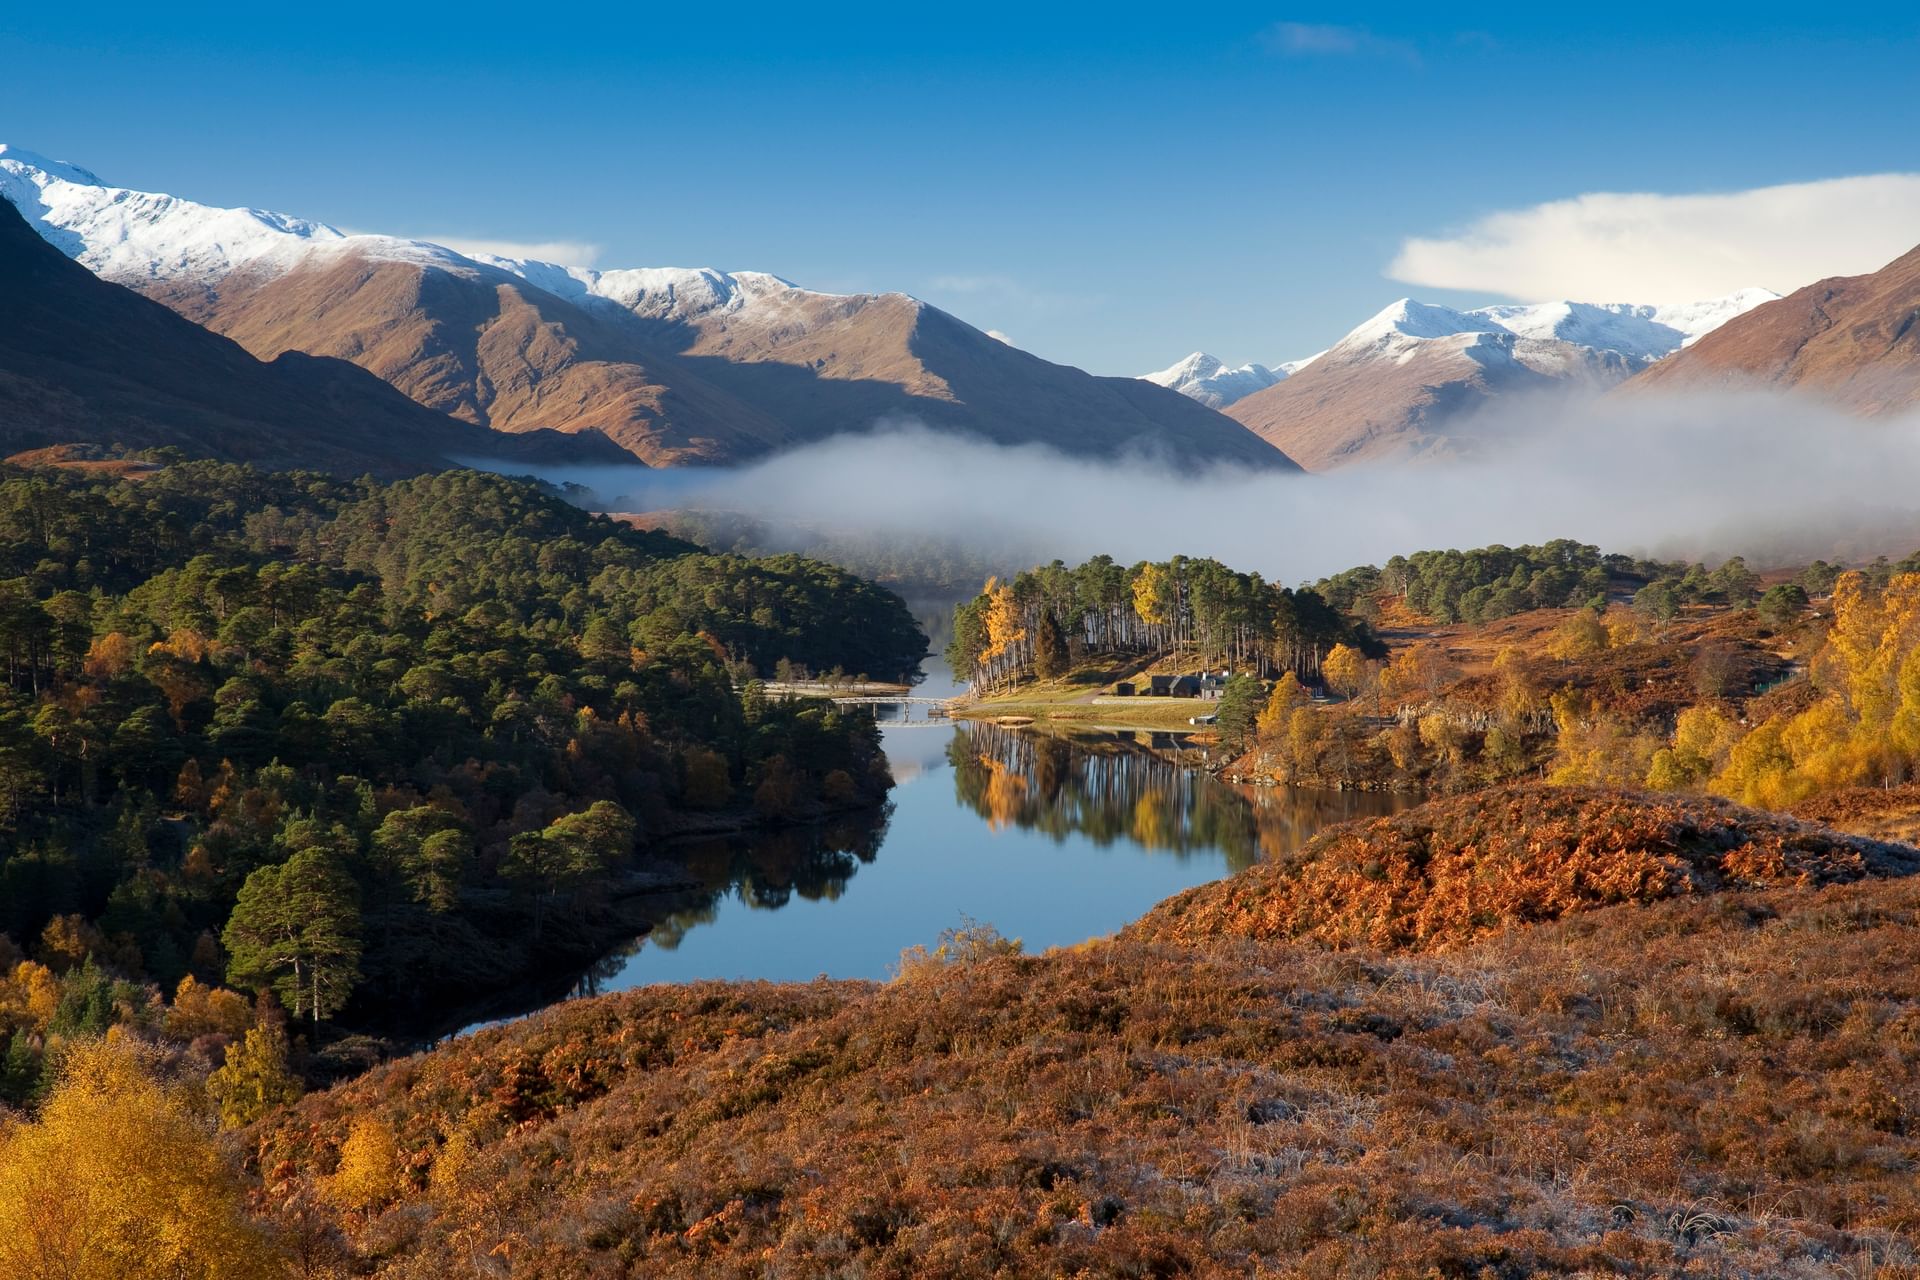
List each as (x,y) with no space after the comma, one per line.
(486,347)
(1396,398)
(725,385)
(676,365)
(85,361)
(1854,340)
(828,364)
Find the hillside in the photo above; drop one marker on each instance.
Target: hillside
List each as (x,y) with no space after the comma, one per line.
(674,365)
(1699,1086)
(83,361)
(1853,340)
(1452,871)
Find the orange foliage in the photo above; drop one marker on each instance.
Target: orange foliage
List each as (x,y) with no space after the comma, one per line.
(1454,870)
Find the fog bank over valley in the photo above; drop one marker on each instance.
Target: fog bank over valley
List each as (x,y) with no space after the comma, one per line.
(1774,478)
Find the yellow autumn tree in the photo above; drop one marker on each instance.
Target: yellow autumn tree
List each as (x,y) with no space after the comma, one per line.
(1593,748)
(1578,636)
(1004,629)
(1866,729)
(119,1179)
(1344,669)
(1153,596)
(1270,726)
(29,997)
(1418,670)
(1623,628)
(200,1010)
(369,1172)
(1703,738)
(255,1078)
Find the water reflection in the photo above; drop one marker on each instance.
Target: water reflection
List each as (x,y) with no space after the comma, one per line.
(1107,787)
(767,871)
(1142,788)
(1051,839)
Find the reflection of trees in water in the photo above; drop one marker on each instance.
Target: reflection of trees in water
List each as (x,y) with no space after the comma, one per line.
(1111,787)
(767,869)
(1105,788)
(1288,817)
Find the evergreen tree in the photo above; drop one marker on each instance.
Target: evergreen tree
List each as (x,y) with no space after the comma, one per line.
(1240,706)
(1050,656)
(296,928)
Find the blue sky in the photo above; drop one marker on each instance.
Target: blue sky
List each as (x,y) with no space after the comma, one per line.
(1111,188)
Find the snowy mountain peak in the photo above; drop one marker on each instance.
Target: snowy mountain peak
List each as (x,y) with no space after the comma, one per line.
(1198,365)
(1409,319)
(19,158)
(130,235)
(1608,339)
(1204,378)
(1641,333)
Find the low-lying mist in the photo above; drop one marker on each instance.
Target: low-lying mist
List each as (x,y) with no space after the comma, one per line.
(1774,478)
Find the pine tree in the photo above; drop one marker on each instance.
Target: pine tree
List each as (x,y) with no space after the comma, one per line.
(1240,706)
(20,1070)
(296,928)
(1050,656)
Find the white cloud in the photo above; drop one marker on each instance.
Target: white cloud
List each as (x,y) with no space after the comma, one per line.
(1612,246)
(567,253)
(998,336)
(1322,40)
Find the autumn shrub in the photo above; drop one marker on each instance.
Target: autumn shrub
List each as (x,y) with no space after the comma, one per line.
(1703,1085)
(965,943)
(255,1078)
(369,1173)
(118,1178)
(1453,870)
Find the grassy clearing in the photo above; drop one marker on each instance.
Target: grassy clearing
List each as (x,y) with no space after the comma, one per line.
(1083,698)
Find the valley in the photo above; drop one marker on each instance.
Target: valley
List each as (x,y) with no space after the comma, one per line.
(515,766)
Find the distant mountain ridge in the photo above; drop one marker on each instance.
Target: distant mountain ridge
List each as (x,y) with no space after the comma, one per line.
(87,362)
(1640,332)
(1406,382)
(674,365)
(1209,380)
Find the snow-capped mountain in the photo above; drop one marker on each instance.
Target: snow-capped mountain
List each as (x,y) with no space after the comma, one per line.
(675,365)
(1640,333)
(1408,380)
(1213,383)
(85,363)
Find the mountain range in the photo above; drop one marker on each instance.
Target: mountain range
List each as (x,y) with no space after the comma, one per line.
(510,357)
(675,366)
(1406,382)
(86,361)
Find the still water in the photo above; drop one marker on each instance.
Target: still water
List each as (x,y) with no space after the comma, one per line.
(1051,840)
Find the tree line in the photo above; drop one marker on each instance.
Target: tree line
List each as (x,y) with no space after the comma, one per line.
(363,745)
(1043,620)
